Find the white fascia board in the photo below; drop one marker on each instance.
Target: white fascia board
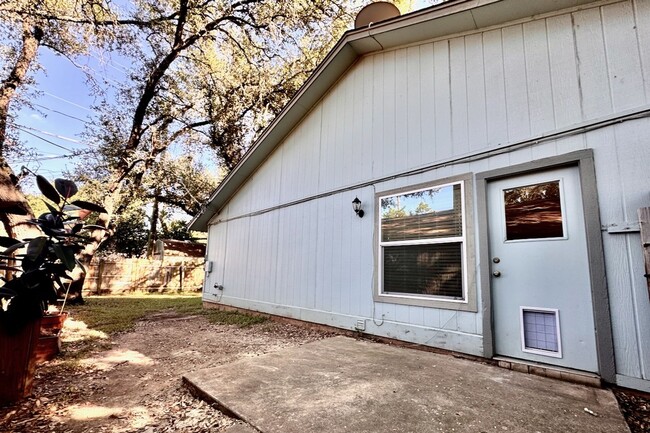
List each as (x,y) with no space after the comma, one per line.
(436,21)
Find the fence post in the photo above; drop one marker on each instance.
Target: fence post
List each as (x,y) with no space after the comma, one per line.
(181,271)
(100,272)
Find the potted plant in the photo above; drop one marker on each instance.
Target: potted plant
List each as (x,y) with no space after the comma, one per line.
(35,270)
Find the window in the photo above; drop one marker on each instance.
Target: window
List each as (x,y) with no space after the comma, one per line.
(534,212)
(422,252)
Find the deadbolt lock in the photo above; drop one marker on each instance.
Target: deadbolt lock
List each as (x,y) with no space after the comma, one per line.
(496,260)
(496,273)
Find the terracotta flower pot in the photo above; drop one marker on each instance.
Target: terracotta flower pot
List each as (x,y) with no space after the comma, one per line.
(18,363)
(49,343)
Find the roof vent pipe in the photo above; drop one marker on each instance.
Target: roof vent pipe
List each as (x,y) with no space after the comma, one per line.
(374,13)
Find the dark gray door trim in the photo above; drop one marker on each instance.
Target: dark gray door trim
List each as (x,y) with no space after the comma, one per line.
(584,160)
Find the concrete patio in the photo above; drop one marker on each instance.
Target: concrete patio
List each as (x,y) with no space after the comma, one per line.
(345,385)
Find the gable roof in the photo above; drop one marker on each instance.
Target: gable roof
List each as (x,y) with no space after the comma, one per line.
(453,16)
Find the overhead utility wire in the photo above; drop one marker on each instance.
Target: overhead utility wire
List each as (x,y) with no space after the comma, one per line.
(63,99)
(62,113)
(62,137)
(67,101)
(48,158)
(477,156)
(45,139)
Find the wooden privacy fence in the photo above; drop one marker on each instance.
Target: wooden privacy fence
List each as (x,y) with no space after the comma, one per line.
(183,274)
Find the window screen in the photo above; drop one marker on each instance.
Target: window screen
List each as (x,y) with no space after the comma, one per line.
(422,242)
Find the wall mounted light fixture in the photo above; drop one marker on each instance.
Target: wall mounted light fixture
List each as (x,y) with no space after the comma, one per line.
(356,205)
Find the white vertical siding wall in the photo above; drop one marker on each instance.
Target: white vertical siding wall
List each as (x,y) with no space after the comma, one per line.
(410,107)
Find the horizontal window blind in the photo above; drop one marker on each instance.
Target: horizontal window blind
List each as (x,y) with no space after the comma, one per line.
(444,224)
(427,269)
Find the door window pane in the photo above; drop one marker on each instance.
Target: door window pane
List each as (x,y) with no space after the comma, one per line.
(533,211)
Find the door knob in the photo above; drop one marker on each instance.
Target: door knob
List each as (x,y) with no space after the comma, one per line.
(496,273)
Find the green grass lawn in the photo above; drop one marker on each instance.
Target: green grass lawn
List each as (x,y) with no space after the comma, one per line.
(111,314)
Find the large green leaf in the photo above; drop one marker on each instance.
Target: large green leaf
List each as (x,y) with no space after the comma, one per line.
(89,206)
(8,242)
(13,248)
(66,256)
(47,189)
(52,209)
(65,187)
(35,248)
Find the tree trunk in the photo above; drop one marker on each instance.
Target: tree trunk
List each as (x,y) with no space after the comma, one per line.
(15,212)
(153,229)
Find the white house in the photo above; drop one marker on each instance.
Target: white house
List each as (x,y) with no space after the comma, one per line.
(500,151)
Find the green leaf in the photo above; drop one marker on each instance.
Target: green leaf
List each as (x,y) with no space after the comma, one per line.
(47,189)
(83,268)
(65,187)
(13,248)
(51,208)
(89,206)
(8,242)
(65,255)
(93,227)
(35,248)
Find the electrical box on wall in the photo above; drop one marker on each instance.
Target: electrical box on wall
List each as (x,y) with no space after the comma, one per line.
(207,267)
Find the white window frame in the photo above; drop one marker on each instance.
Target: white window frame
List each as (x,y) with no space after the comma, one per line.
(468,300)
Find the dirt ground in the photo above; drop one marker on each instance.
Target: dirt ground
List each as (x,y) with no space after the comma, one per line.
(134,384)
(131,382)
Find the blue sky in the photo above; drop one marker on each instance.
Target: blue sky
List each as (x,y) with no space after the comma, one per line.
(61,107)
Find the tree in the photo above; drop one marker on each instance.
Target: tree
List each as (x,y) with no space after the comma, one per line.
(176,229)
(130,233)
(212,74)
(182,182)
(394,212)
(422,208)
(404,6)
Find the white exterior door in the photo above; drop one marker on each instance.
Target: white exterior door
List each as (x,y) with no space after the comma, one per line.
(541,292)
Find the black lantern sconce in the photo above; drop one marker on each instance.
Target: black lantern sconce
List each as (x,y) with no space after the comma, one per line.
(356,205)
